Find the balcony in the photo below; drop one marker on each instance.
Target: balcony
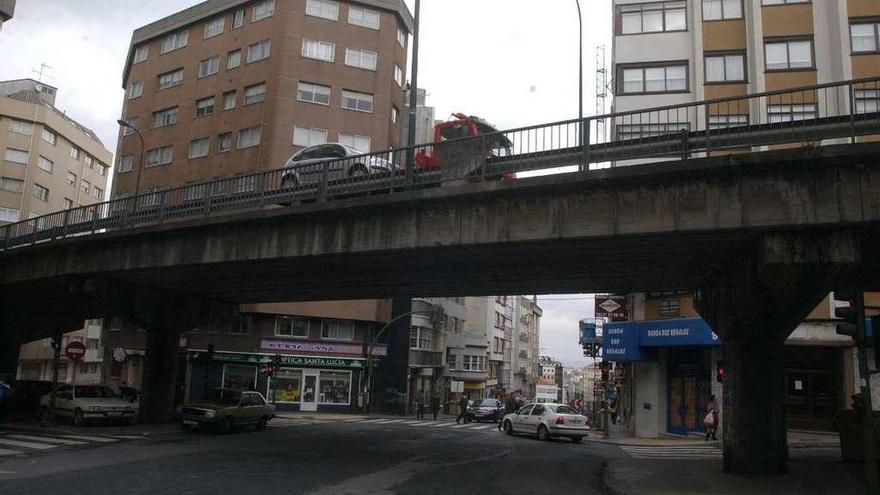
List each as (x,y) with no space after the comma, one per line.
(419,358)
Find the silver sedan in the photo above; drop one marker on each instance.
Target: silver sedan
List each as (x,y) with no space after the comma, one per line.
(335,161)
(547,421)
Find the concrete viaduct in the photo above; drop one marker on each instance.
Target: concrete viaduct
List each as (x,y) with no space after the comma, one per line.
(760,238)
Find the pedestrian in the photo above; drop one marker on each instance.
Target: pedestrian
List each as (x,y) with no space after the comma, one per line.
(420,408)
(509,408)
(710,422)
(463,409)
(613,406)
(435,406)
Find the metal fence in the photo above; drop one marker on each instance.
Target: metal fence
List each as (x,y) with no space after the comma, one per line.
(813,115)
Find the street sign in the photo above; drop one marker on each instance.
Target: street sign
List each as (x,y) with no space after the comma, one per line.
(75,351)
(611,307)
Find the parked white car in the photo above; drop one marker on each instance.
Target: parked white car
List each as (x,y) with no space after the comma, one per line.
(547,421)
(88,402)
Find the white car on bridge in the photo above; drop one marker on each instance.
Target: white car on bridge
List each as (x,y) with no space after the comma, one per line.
(547,421)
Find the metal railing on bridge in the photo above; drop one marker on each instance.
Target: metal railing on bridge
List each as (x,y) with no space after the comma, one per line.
(830,113)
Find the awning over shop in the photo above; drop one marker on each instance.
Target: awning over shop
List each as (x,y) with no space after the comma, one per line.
(474,385)
(625,341)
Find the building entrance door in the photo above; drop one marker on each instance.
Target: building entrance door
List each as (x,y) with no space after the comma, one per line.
(309,391)
(684,407)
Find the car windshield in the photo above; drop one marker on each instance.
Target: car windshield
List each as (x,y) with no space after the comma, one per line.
(486,403)
(224,396)
(94,392)
(563,410)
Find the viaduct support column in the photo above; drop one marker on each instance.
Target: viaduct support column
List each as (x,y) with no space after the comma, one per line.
(754,303)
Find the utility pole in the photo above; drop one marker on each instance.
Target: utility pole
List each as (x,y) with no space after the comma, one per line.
(413,99)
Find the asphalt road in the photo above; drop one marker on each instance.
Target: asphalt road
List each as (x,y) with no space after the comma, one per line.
(306,457)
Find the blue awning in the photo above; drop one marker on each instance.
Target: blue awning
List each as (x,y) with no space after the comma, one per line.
(625,341)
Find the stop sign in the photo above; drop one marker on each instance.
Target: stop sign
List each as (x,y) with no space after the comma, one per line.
(75,351)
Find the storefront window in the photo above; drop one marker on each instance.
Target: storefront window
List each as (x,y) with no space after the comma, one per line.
(337,330)
(335,387)
(239,377)
(287,385)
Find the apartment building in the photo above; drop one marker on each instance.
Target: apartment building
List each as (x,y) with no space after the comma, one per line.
(236,86)
(675,52)
(51,162)
(524,347)
(7,10)
(432,320)
(35,358)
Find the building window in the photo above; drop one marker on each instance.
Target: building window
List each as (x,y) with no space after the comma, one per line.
(21,127)
(49,136)
(159,156)
(865,37)
(229,100)
(205,106)
(641,131)
(361,102)
(401,37)
(789,113)
(249,137)
(726,67)
(45,164)
(304,136)
(41,192)
(224,142)
(654,17)
(362,59)
(88,161)
(337,330)
(199,147)
(171,79)
(164,118)
(17,156)
(867,100)
(244,324)
(135,90)
(727,121)
(99,193)
(319,50)
(360,143)
(215,27)
(313,93)
(398,75)
(395,114)
(262,10)
(325,9)
(717,10)
(782,2)
(335,387)
(421,338)
(360,16)
(71,178)
(126,163)
(788,54)
(175,41)
(75,153)
(450,360)
(288,326)
(668,78)
(258,51)
(238,19)
(239,377)
(255,93)
(9,214)
(141,53)
(233,59)
(473,363)
(9,184)
(209,66)
(68,203)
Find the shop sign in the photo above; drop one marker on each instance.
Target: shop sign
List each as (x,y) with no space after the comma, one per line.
(277,345)
(321,362)
(620,342)
(241,358)
(682,331)
(613,307)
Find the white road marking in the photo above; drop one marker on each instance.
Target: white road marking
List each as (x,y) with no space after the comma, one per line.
(46,439)
(128,437)
(373,421)
(482,427)
(465,425)
(90,438)
(672,452)
(4,452)
(353,420)
(387,421)
(440,425)
(27,445)
(423,423)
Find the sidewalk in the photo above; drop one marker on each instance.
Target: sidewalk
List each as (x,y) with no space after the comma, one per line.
(324,416)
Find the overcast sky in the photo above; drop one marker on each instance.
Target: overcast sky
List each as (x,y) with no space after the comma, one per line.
(513,62)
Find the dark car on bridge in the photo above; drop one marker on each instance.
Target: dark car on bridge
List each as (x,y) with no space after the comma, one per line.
(486,410)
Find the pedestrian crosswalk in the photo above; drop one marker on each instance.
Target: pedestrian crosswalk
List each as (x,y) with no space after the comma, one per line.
(16,444)
(673,452)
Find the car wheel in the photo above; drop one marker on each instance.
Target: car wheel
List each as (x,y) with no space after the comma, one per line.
(508,427)
(577,439)
(226,426)
(261,424)
(78,419)
(543,434)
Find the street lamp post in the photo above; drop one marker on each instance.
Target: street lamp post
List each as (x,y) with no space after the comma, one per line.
(413,99)
(583,132)
(126,125)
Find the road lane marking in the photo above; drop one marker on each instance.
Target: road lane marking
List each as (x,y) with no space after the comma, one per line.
(482,427)
(465,425)
(46,439)
(353,420)
(4,452)
(27,445)
(440,425)
(90,439)
(372,420)
(128,437)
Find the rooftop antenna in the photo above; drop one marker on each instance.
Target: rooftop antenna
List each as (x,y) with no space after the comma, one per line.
(601,92)
(42,72)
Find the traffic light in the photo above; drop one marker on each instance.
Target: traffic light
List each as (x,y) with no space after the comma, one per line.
(848,313)
(719,371)
(270,369)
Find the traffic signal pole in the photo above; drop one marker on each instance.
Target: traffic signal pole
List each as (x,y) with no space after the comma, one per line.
(871,472)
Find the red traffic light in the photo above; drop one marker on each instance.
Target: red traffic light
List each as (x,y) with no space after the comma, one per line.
(719,372)
(270,369)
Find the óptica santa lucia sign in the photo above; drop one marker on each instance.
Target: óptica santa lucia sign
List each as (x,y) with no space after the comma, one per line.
(624,341)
